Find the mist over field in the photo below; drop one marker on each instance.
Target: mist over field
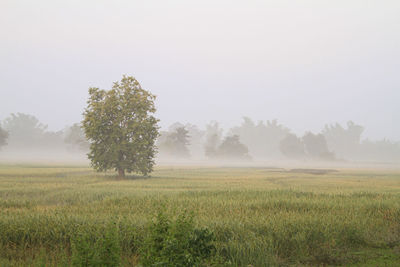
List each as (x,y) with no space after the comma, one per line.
(294,81)
(250,143)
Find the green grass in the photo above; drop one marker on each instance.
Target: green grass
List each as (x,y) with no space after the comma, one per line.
(260,217)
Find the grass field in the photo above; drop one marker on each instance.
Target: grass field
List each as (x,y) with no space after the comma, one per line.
(260,217)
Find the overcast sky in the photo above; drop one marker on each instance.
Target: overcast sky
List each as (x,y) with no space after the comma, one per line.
(305,63)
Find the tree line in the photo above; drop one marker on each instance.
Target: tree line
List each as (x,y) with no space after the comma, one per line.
(272,140)
(249,140)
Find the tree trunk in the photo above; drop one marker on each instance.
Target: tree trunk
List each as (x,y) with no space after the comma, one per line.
(121,173)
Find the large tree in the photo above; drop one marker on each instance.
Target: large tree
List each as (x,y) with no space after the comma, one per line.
(121,128)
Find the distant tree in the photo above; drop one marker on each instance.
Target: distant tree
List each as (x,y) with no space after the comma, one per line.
(345,142)
(26,131)
(210,148)
(292,147)
(232,148)
(3,137)
(75,137)
(174,126)
(194,134)
(381,150)
(22,125)
(213,138)
(55,139)
(316,146)
(262,139)
(196,140)
(120,127)
(175,143)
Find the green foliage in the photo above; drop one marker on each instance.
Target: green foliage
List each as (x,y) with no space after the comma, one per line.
(96,249)
(177,243)
(83,252)
(121,128)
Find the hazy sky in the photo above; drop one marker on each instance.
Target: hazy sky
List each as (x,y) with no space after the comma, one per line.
(305,63)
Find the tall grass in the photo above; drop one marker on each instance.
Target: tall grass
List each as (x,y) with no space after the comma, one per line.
(260,217)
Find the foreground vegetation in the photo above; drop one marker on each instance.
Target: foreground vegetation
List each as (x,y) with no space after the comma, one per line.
(254,216)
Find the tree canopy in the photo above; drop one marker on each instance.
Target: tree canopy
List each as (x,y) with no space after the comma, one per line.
(121,128)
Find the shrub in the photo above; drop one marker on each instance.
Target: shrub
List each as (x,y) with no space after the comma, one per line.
(177,243)
(100,249)
(83,252)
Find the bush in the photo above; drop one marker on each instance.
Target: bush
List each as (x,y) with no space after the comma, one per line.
(177,243)
(100,249)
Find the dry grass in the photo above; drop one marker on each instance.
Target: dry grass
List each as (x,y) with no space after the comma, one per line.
(260,216)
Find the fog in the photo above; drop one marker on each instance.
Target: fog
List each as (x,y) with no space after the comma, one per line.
(318,77)
(24,139)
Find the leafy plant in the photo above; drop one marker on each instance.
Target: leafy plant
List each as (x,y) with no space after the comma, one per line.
(102,249)
(177,243)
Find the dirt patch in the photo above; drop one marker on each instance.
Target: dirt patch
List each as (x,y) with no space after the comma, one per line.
(313,171)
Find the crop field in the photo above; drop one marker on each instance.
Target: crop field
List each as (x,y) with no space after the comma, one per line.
(259,216)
